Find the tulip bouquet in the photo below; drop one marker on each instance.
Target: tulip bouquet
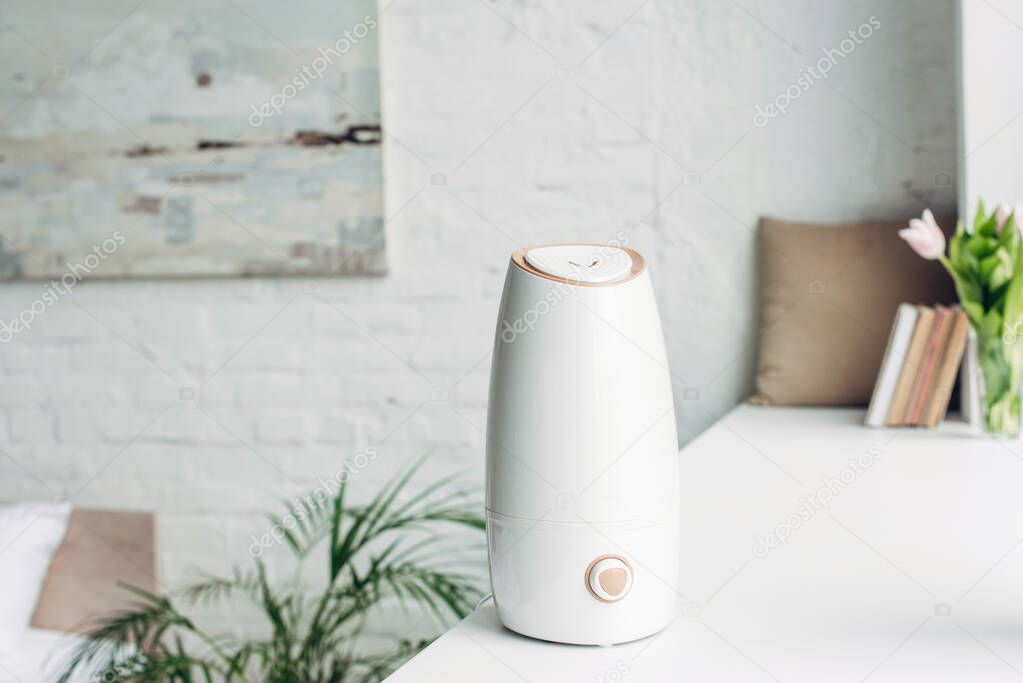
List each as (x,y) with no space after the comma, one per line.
(986,263)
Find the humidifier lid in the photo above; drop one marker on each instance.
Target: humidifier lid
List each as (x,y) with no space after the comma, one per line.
(584,263)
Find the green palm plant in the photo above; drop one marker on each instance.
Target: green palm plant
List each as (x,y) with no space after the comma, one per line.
(390,548)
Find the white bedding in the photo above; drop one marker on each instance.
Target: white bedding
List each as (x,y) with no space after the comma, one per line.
(39,657)
(29,535)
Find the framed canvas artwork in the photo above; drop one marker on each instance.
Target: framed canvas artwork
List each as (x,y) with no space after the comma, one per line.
(182,138)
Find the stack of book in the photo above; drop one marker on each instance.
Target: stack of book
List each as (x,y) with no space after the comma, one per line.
(925,350)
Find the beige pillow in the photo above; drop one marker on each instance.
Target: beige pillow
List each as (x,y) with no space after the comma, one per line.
(828,295)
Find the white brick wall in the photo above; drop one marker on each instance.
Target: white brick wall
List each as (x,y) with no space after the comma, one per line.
(289,383)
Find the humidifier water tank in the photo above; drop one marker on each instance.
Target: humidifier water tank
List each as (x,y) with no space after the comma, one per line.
(582,496)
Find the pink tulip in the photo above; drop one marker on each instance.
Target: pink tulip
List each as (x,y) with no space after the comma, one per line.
(924,235)
(1002,215)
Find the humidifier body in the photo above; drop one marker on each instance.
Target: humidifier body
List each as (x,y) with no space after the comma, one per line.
(582,495)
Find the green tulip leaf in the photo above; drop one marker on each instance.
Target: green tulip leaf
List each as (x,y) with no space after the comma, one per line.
(997,269)
(996,300)
(978,218)
(1014,296)
(988,265)
(1009,235)
(991,325)
(974,311)
(969,289)
(955,249)
(981,245)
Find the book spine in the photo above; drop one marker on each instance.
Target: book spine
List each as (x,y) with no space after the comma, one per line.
(891,365)
(947,370)
(910,367)
(925,378)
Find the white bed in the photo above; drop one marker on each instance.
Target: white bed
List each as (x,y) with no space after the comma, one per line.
(38,657)
(98,550)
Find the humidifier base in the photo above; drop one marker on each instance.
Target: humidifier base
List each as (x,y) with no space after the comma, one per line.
(580,583)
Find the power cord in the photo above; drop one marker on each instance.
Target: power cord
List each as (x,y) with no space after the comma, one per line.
(482,600)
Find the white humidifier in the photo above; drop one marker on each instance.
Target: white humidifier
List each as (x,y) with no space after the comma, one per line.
(582,499)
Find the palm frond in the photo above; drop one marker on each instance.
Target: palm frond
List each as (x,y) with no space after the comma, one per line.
(126,633)
(214,588)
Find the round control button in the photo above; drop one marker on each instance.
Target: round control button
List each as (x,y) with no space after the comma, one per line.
(609,578)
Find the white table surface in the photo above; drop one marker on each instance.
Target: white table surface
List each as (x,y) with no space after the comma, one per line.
(915,573)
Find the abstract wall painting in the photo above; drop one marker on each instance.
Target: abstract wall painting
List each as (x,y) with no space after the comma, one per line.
(190,139)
